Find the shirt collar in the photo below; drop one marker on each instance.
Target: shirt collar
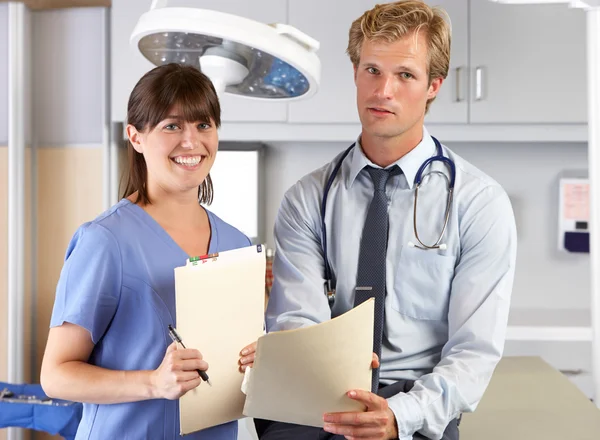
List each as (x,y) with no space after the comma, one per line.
(409,163)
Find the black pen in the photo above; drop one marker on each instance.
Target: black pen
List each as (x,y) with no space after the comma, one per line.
(175,337)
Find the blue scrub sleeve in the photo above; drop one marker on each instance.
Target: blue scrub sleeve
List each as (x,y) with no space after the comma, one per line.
(89,287)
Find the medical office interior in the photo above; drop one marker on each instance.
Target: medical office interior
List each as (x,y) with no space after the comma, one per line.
(515,104)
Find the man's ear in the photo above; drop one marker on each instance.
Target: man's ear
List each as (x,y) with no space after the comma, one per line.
(135,138)
(434,87)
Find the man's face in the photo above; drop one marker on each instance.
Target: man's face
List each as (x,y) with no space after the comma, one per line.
(392,85)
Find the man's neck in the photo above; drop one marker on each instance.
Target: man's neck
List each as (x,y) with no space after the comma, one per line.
(384,151)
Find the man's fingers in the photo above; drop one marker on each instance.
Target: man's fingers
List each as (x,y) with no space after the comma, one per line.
(358,432)
(372,401)
(350,419)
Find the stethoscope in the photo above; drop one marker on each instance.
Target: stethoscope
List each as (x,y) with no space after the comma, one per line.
(329,287)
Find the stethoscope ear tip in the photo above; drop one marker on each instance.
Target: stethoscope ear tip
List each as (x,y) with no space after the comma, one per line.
(411,244)
(443,246)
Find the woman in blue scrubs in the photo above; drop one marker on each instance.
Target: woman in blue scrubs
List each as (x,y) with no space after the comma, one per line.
(108,345)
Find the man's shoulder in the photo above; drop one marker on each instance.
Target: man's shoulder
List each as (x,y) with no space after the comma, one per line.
(469,177)
(476,191)
(312,185)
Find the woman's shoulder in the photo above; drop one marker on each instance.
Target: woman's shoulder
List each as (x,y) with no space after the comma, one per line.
(119,218)
(110,225)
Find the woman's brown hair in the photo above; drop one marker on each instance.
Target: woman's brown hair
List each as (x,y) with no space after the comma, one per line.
(157,92)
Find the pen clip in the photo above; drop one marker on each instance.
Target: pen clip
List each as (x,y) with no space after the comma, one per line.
(175,336)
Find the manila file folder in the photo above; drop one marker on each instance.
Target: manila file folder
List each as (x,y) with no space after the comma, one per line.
(298,375)
(220,310)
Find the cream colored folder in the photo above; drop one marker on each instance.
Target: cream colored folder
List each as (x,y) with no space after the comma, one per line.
(220,310)
(299,375)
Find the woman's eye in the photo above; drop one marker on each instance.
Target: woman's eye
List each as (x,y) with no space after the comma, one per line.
(172,127)
(204,126)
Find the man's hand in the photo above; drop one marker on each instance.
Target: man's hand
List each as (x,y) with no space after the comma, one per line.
(377,423)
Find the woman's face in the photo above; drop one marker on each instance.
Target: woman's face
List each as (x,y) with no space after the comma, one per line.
(179,154)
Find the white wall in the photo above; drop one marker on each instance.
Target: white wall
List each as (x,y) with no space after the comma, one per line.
(67,76)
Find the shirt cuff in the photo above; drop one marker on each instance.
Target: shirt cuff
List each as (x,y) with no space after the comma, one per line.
(408,413)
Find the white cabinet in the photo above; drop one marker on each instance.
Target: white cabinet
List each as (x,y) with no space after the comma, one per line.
(451,106)
(336,100)
(510,64)
(128,66)
(531,63)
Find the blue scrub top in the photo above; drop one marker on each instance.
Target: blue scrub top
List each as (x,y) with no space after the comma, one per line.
(118,283)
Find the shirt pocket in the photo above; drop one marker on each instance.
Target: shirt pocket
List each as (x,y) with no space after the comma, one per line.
(422,284)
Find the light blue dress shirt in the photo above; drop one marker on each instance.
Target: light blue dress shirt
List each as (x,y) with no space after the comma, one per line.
(118,282)
(446,311)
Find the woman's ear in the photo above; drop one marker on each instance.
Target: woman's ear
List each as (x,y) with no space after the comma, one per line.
(135,137)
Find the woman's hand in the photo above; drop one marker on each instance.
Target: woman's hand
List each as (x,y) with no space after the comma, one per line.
(247,356)
(177,373)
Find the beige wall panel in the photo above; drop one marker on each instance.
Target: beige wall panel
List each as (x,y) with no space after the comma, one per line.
(69,194)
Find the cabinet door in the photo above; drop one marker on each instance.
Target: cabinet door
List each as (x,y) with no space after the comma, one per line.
(451,106)
(329,22)
(528,63)
(128,66)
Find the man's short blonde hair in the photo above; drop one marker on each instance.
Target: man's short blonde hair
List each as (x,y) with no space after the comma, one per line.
(390,22)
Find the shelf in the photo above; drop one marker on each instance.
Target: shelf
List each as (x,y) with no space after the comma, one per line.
(288,132)
(549,325)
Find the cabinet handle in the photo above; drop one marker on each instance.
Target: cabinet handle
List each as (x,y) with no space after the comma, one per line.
(479,83)
(458,73)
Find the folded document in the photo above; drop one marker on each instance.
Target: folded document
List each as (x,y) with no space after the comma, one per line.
(299,375)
